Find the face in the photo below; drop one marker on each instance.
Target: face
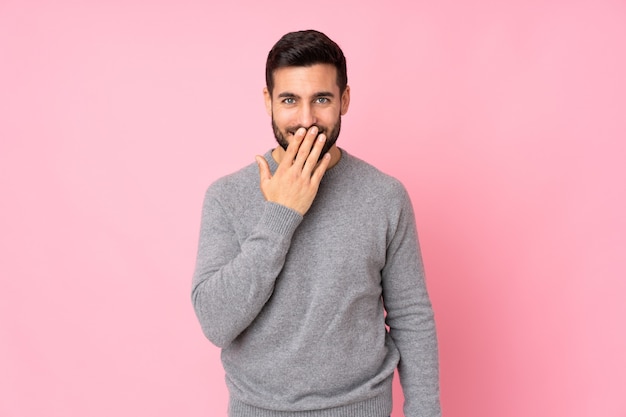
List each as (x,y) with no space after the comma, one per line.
(304,97)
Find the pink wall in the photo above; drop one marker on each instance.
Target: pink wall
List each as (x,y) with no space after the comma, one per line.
(505,120)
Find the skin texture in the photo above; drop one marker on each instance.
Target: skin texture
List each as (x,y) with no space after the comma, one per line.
(305,100)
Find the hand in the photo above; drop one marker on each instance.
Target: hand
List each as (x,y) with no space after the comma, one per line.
(297,178)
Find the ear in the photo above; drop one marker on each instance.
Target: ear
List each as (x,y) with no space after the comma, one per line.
(268,101)
(345,100)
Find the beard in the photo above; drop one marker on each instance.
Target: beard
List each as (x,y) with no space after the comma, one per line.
(331,137)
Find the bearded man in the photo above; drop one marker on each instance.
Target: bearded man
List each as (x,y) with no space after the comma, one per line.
(309,274)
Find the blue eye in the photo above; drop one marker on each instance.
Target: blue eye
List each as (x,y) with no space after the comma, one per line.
(322,100)
(289,100)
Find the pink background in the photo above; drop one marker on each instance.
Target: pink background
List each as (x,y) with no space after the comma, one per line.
(505,120)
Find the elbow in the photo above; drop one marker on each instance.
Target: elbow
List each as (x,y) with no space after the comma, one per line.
(216,337)
(211,325)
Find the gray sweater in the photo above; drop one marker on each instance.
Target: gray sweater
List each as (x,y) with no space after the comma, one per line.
(297,303)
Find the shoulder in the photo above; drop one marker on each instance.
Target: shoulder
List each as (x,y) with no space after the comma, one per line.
(233,189)
(372,180)
(375,196)
(237,179)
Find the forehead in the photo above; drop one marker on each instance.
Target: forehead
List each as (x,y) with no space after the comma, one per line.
(306,80)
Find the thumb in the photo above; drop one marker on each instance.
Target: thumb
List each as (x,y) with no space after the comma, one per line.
(264,168)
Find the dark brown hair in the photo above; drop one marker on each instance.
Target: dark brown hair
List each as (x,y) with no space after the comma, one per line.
(303,49)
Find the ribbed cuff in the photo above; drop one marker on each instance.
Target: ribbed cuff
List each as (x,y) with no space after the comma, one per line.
(280,219)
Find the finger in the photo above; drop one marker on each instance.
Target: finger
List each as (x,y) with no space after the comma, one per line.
(264,168)
(294,146)
(314,155)
(321,168)
(306,145)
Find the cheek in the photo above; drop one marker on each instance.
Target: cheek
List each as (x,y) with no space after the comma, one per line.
(330,117)
(282,119)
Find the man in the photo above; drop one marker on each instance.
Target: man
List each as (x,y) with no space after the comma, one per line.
(301,255)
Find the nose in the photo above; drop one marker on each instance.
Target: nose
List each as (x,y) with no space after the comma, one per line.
(306,116)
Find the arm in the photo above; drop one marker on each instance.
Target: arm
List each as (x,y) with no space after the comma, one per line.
(410,318)
(232,282)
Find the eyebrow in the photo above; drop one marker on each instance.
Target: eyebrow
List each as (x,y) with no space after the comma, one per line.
(287,94)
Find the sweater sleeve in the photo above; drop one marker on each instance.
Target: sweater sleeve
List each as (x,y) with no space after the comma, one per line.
(410,317)
(233,280)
